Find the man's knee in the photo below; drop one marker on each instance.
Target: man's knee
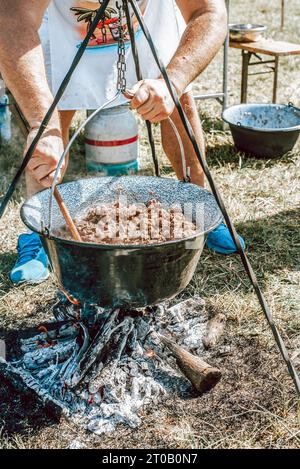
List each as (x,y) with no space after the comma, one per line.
(66,118)
(65,122)
(188,103)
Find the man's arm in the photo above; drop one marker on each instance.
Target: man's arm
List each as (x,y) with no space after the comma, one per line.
(23,69)
(204,35)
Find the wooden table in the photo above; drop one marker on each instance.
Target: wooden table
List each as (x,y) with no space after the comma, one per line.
(268,47)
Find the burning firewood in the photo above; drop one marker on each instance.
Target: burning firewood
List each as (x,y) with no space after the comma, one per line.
(214,330)
(28,386)
(108,369)
(104,366)
(94,350)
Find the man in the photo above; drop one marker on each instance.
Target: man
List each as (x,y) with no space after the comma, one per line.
(187,37)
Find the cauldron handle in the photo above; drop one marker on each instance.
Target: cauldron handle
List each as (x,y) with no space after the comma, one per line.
(47,229)
(185,169)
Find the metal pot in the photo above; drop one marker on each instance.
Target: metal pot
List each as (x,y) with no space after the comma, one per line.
(118,275)
(263,130)
(246,32)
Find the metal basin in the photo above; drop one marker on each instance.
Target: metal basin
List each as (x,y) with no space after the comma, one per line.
(263,130)
(246,32)
(118,275)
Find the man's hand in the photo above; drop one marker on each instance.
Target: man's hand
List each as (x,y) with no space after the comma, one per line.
(23,69)
(43,162)
(151,99)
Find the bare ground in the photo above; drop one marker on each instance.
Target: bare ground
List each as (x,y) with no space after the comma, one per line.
(255,405)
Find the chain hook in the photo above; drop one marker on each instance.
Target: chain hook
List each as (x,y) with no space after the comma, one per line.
(121,65)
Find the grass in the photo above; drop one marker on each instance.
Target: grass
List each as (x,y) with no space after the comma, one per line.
(255,405)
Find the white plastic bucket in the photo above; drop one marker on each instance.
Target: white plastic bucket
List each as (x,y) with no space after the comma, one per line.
(111,138)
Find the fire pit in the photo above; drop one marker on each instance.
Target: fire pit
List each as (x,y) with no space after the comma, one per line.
(99,368)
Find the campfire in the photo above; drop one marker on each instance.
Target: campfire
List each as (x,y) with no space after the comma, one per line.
(101,368)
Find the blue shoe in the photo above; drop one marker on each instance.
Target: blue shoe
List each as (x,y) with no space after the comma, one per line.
(220,240)
(32,263)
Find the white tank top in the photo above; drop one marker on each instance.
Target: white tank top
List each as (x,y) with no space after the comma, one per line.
(94,81)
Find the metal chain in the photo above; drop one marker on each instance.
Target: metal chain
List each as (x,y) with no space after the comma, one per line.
(121,84)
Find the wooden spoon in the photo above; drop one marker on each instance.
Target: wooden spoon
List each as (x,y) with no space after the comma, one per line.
(66,214)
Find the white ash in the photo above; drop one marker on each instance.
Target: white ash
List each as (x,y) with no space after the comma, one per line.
(141,377)
(76,444)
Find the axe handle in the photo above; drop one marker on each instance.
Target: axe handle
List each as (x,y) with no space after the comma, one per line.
(202,375)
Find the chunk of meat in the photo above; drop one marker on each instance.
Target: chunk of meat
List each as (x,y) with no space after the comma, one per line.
(150,223)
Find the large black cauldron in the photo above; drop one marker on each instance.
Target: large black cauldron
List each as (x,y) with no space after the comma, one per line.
(115,276)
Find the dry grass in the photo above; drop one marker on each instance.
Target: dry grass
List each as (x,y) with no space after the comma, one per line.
(255,405)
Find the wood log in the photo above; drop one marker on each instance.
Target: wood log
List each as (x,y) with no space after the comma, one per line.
(110,364)
(214,330)
(95,348)
(202,375)
(26,385)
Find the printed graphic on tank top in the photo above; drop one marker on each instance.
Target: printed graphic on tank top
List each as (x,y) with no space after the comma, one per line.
(95,80)
(107,31)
